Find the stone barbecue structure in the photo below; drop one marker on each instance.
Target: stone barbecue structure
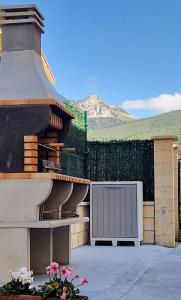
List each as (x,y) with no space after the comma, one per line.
(37,203)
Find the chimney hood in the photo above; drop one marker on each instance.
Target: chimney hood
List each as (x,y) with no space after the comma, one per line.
(22,74)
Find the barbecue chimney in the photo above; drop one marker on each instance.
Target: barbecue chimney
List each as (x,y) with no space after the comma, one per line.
(21,71)
(29,104)
(37,202)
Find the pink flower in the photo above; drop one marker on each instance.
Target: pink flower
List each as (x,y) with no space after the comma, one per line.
(48,269)
(83,280)
(54,267)
(65,271)
(71,270)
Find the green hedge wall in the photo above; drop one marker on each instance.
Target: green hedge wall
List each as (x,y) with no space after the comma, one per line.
(123,161)
(74,164)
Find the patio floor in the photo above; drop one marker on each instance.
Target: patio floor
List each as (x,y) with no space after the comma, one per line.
(130,273)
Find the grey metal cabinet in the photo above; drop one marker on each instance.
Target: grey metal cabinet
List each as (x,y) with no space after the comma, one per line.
(116,211)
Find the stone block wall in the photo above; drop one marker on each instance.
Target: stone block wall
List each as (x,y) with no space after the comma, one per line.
(148,222)
(80,232)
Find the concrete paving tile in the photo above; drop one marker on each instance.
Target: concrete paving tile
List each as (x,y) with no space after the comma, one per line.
(129,273)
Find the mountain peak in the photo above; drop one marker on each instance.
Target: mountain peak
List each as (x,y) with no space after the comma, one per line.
(102,114)
(92,99)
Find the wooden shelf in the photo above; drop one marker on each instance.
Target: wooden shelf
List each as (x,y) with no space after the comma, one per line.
(58,145)
(49,101)
(53,176)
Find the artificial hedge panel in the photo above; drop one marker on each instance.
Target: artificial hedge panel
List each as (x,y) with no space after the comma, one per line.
(123,161)
(74,164)
(76,139)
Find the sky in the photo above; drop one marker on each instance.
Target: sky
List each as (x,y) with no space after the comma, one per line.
(126,51)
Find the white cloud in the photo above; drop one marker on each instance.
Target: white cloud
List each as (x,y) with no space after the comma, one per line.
(161,103)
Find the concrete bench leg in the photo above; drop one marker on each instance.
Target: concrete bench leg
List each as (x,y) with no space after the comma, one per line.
(41,249)
(47,245)
(61,245)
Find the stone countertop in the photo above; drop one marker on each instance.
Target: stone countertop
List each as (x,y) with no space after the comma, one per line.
(44,224)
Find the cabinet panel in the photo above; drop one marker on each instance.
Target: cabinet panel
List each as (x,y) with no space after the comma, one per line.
(114,211)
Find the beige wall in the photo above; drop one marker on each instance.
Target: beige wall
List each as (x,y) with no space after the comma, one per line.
(80,232)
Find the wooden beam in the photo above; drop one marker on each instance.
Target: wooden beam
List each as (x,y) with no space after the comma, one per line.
(58,145)
(50,101)
(53,176)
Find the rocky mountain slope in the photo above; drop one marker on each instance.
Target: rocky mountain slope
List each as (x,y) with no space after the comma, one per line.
(102,114)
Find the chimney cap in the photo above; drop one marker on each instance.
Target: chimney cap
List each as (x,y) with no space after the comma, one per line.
(28,13)
(21,8)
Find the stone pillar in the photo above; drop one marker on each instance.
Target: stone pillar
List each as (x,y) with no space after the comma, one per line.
(176,195)
(164,191)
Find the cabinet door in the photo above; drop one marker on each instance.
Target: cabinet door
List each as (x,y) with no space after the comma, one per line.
(114,211)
